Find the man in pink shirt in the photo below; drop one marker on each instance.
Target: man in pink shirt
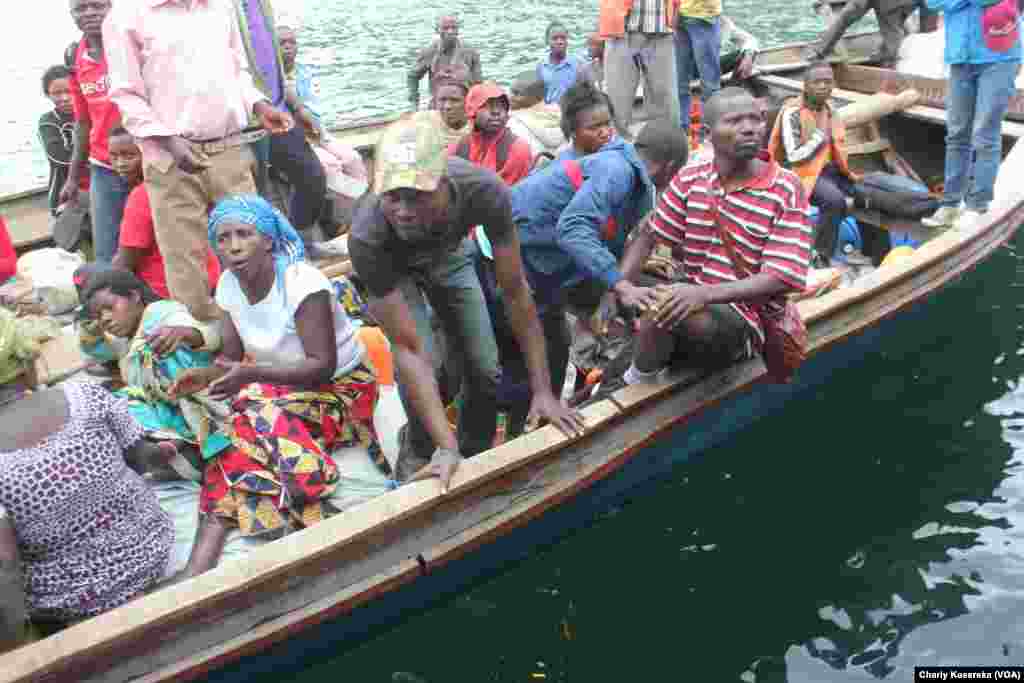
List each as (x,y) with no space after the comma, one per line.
(179,74)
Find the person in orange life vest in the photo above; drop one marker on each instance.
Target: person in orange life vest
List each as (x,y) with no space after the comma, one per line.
(137,250)
(734,204)
(490,143)
(808,138)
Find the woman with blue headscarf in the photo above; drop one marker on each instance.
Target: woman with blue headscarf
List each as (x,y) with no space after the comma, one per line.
(295,375)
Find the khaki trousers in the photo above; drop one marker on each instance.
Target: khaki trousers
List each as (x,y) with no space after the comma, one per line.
(652,57)
(181,203)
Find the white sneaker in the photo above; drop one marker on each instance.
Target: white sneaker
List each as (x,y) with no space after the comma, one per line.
(635,376)
(944,217)
(970,218)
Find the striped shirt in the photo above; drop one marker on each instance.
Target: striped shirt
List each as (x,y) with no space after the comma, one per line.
(648,16)
(767,220)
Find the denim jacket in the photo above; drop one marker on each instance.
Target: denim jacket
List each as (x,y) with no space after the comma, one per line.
(561,229)
(964,43)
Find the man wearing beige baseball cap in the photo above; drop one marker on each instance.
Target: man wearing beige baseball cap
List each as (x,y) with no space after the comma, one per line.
(406,242)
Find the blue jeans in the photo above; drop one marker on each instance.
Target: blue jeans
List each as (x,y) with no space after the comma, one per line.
(107,194)
(978,97)
(698,44)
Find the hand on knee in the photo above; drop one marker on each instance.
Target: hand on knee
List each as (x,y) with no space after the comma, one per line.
(653,348)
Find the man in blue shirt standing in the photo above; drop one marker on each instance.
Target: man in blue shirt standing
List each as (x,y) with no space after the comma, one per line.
(560,72)
(983,50)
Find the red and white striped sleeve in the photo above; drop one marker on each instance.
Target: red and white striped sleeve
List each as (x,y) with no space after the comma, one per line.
(669,221)
(787,251)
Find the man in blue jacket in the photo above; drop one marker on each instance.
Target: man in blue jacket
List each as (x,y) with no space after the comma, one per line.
(983,50)
(574,217)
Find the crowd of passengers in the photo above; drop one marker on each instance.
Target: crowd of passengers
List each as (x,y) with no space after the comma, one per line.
(247,374)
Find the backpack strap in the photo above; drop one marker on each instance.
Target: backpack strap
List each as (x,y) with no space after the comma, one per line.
(504,146)
(462,148)
(723,234)
(71,56)
(573,169)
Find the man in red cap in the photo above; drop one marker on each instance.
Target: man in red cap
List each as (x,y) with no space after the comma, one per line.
(491,144)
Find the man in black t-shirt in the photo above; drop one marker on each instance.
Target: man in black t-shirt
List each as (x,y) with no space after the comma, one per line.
(407,242)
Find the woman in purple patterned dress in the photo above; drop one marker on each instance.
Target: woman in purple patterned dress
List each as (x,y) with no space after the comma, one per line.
(80,532)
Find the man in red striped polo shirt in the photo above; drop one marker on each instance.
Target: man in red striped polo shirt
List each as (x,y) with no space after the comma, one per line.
(707,320)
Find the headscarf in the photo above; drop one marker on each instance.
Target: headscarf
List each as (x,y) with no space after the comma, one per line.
(250,209)
(479,95)
(19,347)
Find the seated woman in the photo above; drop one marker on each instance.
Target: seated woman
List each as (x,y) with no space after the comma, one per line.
(302,391)
(165,341)
(80,533)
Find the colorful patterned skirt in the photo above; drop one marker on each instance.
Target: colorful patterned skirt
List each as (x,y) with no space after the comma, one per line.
(279,474)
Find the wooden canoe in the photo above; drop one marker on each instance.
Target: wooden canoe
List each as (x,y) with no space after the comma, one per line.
(317,589)
(27,212)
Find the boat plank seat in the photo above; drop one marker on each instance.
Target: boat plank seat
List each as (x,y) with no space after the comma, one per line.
(933,91)
(28,221)
(1011,129)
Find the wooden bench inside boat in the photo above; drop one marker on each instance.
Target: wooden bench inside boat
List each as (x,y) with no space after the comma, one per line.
(870,151)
